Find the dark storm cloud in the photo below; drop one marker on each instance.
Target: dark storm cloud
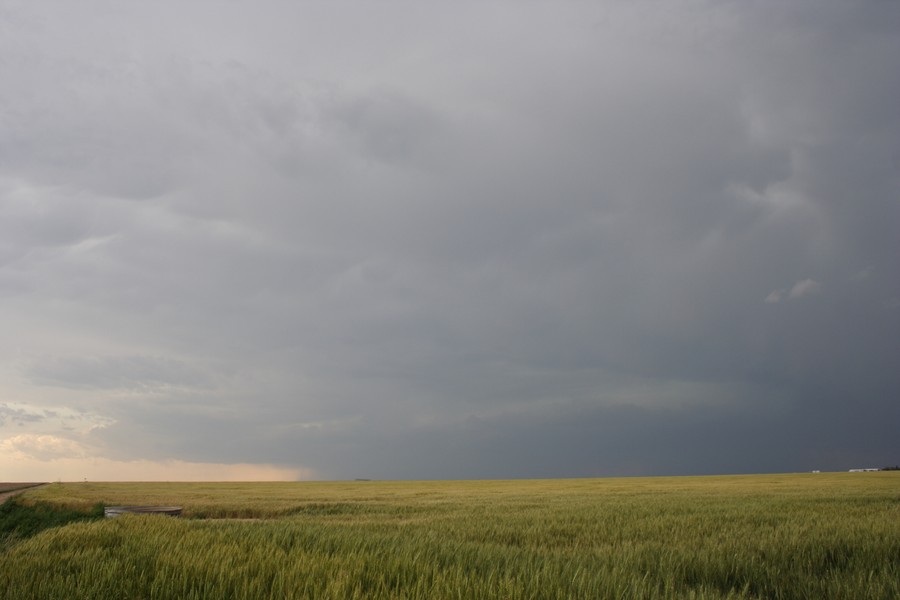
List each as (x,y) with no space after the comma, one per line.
(486,240)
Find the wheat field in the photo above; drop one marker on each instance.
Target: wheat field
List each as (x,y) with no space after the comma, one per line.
(762,536)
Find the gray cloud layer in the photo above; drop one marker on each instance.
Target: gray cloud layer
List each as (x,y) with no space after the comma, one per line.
(479,240)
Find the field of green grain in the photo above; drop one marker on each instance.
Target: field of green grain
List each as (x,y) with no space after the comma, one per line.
(766,536)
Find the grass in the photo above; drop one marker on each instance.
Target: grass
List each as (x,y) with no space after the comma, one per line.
(778,536)
(19,520)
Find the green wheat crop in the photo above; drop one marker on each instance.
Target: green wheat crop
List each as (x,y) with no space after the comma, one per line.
(777,536)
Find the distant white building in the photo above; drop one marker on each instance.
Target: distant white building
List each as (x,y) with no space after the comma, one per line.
(864,470)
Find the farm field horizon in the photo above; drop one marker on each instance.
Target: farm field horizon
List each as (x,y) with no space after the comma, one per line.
(823,535)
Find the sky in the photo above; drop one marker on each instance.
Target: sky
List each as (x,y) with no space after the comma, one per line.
(457,240)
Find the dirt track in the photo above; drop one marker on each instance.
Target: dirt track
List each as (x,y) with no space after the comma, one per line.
(8,490)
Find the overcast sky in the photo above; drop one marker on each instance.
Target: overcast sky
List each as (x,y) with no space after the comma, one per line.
(408,240)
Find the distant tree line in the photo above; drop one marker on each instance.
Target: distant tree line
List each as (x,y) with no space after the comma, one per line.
(894,468)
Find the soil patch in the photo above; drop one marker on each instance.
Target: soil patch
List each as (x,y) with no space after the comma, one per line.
(8,490)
